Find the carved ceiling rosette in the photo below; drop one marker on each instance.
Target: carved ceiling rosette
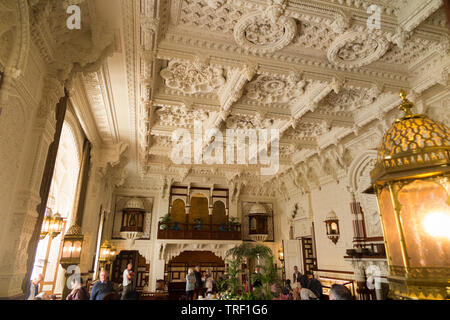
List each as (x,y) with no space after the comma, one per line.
(356,49)
(269,88)
(192,77)
(265,32)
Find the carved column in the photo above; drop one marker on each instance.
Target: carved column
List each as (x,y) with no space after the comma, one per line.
(44,189)
(21,213)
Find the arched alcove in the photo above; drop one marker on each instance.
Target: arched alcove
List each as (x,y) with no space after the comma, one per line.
(178,212)
(219,216)
(199,209)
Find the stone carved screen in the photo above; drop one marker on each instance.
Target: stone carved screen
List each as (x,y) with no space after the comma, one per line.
(120,202)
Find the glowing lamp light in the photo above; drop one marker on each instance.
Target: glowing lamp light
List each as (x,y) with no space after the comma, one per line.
(72,245)
(281,254)
(105,250)
(437,224)
(55,225)
(411,180)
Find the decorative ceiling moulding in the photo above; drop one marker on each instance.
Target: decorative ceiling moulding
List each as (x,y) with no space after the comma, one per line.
(268,89)
(355,49)
(285,60)
(191,77)
(387,7)
(414,12)
(215,4)
(265,32)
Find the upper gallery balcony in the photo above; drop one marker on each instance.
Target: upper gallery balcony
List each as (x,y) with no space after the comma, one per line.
(198,231)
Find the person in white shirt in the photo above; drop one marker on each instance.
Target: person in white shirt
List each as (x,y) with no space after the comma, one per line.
(127,281)
(303,293)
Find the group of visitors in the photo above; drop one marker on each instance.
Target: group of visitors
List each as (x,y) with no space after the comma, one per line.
(198,283)
(306,287)
(103,289)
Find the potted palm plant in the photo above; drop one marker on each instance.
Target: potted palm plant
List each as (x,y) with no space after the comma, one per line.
(164,222)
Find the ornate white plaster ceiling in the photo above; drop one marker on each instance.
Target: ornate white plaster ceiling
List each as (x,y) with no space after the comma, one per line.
(311,69)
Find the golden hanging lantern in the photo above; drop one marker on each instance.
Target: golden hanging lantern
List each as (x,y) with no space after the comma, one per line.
(411,181)
(105,250)
(72,245)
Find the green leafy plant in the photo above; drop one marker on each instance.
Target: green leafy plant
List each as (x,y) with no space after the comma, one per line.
(233,223)
(269,277)
(221,285)
(234,285)
(164,221)
(248,252)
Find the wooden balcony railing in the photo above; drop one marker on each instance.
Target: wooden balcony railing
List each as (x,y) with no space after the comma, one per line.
(176,230)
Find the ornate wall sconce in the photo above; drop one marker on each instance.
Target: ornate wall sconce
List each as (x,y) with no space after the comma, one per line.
(332,226)
(411,182)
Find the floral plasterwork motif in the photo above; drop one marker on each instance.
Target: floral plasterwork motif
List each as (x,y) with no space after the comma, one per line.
(305,129)
(356,49)
(270,88)
(245,122)
(192,77)
(265,32)
(179,116)
(348,100)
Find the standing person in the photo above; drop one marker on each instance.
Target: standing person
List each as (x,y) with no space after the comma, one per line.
(33,289)
(340,292)
(299,277)
(256,275)
(209,282)
(79,292)
(190,284)
(296,277)
(314,285)
(102,287)
(127,281)
(198,280)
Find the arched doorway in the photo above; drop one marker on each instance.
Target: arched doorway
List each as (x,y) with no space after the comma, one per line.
(176,269)
(60,202)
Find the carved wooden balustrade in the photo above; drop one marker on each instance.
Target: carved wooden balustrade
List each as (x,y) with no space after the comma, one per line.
(176,230)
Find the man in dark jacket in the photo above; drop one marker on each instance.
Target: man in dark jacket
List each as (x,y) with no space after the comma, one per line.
(314,285)
(256,278)
(102,287)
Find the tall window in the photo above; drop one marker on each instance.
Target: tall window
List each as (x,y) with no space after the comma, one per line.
(61,201)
